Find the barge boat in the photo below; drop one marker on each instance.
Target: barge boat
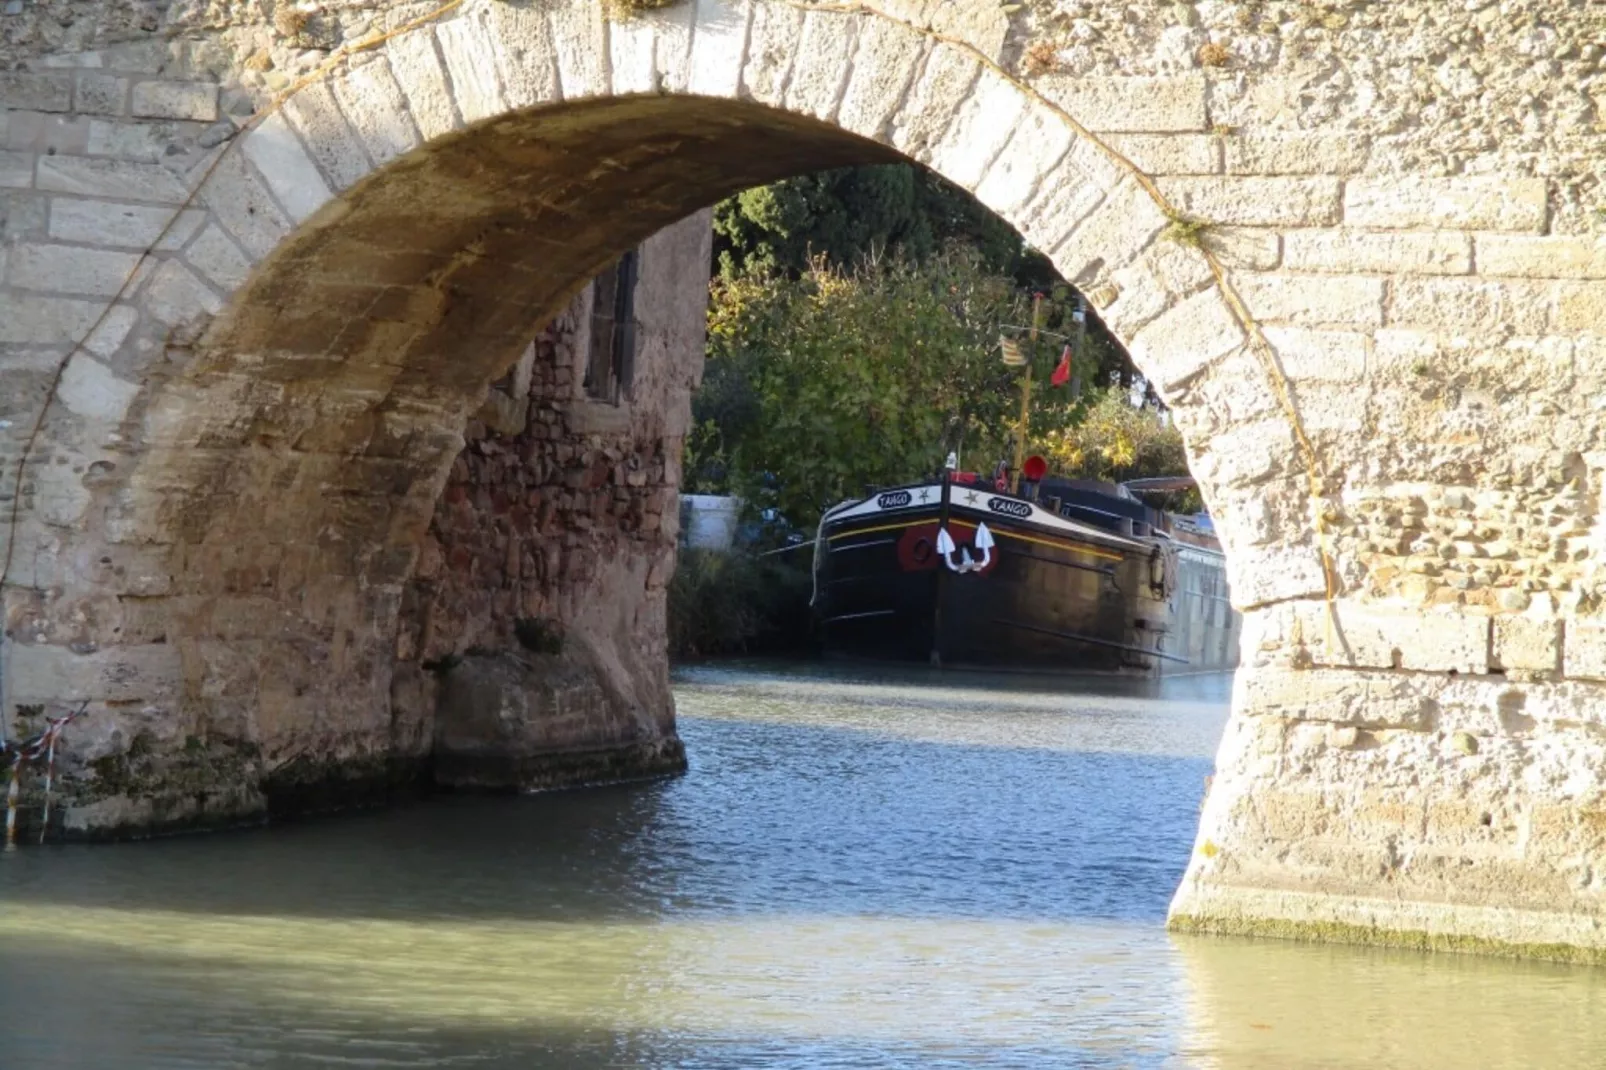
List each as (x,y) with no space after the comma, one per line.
(1058,575)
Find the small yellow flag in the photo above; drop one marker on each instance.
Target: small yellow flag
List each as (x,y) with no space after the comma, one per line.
(1012,354)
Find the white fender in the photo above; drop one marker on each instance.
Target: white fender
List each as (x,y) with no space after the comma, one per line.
(984,543)
(946,547)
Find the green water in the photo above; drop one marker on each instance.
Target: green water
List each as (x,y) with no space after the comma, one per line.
(860,870)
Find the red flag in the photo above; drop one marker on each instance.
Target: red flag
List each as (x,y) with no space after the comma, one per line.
(1062,374)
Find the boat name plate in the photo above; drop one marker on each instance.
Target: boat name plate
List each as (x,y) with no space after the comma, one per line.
(1010,507)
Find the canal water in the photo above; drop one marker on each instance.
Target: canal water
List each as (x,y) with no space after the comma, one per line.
(860,870)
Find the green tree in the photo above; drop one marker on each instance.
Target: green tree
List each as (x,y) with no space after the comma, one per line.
(820,384)
(851,214)
(1114,440)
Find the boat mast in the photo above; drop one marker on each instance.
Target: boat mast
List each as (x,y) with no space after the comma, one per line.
(1022,428)
(941,578)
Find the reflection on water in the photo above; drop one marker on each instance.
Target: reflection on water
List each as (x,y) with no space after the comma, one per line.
(860,870)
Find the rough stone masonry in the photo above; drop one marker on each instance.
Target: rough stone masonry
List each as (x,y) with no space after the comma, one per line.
(261,266)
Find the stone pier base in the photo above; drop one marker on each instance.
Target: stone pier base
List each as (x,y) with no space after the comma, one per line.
(531,721)
(1459,809)
(1417,926)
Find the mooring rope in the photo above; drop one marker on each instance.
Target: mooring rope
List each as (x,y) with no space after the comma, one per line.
(40,745)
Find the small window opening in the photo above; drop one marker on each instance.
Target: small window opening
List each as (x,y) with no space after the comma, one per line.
(610,363)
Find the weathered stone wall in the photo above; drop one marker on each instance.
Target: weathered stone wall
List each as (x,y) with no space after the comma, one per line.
(1353,243)
(560,516)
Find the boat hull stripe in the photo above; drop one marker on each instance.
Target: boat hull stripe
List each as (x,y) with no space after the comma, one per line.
(1057,544)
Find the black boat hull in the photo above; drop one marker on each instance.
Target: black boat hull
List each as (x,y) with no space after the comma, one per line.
(1053,596)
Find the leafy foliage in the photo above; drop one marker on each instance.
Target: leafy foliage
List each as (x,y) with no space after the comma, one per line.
(852,213)
(735,603)
(820,385)
(853,342)
(902,211)
(1115,441)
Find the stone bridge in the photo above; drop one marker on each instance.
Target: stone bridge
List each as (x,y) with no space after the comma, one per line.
(260,272)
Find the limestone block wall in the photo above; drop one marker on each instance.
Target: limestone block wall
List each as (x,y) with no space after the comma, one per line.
(259,271)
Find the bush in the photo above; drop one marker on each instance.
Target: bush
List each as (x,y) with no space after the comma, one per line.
(1117,441)
(821,385)
(722,604)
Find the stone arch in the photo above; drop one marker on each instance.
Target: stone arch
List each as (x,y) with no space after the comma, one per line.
(403,226)
(321,314)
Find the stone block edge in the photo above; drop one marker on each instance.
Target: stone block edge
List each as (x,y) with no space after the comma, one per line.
(1266,915)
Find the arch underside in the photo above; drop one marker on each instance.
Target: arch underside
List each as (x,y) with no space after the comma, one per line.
(371,333)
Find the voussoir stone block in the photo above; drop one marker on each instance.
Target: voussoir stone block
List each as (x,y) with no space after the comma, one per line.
(978,130)
(523,54)
(238,198)
(418,71)
(818,89)
(580,47)
(771,49)
(286,167)
(1037,146)
(718,47)
(470,57)
(1125,222)
(887,60)
(377,110)
(1184,340)
(337,150)
(943,86)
